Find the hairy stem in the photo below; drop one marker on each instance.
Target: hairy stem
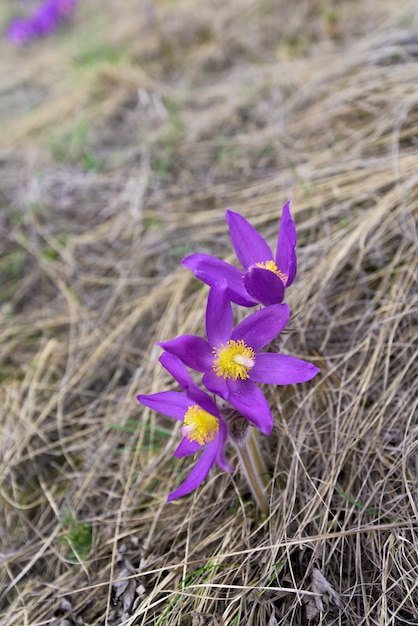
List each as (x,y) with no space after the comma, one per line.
(254,470)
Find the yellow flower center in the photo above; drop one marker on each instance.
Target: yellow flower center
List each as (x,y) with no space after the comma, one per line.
(198,425)
(233,360)
(270,265)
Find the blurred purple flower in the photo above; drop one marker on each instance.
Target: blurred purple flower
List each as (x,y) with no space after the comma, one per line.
(203,427)
(20,32)
(65,8)
(46,19)
(265,277)
(230,358)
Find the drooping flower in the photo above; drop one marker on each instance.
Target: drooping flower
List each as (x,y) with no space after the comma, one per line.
(231,360)
(265,277)
(203,427)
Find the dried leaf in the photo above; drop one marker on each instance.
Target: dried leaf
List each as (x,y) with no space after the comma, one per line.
(325,595)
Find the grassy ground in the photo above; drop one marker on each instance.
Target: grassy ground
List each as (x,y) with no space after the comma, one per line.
(124,138)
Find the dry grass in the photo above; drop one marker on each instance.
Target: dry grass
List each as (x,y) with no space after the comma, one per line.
(126,139)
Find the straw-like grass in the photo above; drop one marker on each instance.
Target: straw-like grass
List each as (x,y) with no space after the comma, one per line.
(120,156)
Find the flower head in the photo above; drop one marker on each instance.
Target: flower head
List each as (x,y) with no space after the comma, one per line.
(20,32)
(231,360)
(65,8)
(265,276)
(203,427)
(45,20)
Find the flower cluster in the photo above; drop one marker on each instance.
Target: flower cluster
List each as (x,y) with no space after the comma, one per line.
(231,358)
(45,20)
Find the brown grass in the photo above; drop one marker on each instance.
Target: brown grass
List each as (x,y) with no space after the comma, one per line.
(125,139)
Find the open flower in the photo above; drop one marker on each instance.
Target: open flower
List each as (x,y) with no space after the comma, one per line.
(231,359)
(265,276)
(203,427)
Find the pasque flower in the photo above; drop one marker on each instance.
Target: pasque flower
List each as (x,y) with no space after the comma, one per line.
(265,277)
(20,32)
(46,19)
(231,360)
(203,427)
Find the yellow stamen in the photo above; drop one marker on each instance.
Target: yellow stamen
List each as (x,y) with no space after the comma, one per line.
(200,426)
(270,265)
(233,360)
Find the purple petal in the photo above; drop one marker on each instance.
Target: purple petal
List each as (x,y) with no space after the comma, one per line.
(177,369)
(220,455)
(249,400)
(286,259)
(219,316)
(261,327)
(209,270)
(20,32)
(194,351)
(202,399)
(198,473)
(250,247)
(65,8)
(264,286)
(171,403)
(186,448)
(216,384)
(282,369)
(44,22)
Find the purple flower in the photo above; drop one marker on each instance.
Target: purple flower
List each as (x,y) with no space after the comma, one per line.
(43,21)
(20,32)
(51,13)
(265,277)
(231,359)
(65,8)
(203,427)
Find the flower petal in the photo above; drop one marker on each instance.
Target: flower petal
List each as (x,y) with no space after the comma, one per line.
(171,403)
(282,369)
(186,448)
(219,316)
(194,351)
(220,455)
(249,400)
(286,259)
(198,473)
(203,400)
(178,371)
(209,270)
(264,286)
(250,246)
(176,368)
(261,327)
(216,384)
